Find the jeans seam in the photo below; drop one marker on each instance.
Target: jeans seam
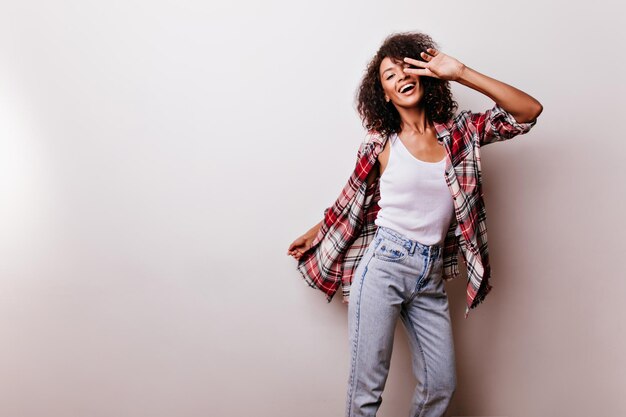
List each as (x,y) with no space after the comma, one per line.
(355,344)
(420,280)
(420,408)
(427,273)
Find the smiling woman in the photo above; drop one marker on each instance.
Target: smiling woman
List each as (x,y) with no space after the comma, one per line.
(392,237)
(385,74)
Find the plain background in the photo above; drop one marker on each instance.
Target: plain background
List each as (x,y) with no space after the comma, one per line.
(158,157)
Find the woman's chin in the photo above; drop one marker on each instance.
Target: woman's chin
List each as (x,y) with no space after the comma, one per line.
(408,102)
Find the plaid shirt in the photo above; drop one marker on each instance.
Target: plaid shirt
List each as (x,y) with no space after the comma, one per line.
(348,226)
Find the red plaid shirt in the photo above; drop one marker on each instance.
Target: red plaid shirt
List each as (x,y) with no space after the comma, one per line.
(348,226)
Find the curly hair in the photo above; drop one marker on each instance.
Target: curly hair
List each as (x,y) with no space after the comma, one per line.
(381,117)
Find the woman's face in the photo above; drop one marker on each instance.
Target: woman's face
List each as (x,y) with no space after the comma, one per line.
(396,83)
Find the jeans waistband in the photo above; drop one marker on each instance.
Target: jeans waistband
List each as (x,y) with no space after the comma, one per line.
(410,244)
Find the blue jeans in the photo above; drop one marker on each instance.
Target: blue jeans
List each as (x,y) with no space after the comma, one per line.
(398,276)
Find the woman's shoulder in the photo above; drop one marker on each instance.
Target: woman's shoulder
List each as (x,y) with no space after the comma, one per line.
(372,140)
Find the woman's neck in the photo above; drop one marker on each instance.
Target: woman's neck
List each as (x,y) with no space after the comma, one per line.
(414,121)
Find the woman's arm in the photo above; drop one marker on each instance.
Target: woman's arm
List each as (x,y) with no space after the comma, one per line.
(522,106)
(302,244)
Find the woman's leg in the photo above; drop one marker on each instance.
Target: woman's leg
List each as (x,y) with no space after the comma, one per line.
(427,321)
(373,312)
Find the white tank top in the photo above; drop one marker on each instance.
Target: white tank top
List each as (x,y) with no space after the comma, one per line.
(414,197)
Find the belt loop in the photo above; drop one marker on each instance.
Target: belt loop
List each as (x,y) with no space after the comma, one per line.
(413,246)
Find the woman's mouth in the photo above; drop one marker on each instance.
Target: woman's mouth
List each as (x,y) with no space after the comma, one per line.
(407,90)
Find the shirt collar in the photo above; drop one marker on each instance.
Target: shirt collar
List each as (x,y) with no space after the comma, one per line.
(442,131)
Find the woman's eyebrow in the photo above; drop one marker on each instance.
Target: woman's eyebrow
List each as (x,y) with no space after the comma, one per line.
(390,68)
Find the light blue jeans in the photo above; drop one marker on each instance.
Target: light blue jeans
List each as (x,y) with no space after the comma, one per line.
(401,277)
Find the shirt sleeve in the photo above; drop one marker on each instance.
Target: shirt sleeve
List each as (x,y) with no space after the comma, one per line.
(496,124)
(362,147)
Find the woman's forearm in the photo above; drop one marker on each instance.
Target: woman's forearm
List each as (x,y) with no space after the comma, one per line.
(523,107)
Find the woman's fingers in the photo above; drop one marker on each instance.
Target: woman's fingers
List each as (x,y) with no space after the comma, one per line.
(415,61)
(296,253)
(424,69)
(299,247)
(296,243)
(426,56)
(418,71)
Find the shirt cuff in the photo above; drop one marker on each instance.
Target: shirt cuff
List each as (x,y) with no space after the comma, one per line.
(499,112)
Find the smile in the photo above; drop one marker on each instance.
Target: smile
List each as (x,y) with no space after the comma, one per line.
(408,89)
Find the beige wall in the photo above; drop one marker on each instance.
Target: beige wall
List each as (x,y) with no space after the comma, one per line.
(157,158)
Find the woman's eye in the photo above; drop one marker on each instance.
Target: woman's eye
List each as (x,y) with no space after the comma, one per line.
(390,76)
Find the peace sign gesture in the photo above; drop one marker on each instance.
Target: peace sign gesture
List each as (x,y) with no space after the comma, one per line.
(437,65)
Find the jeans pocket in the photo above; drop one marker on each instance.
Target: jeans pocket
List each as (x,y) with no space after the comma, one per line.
(390,251)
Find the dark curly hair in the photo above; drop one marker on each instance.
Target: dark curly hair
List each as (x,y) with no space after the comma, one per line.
(381,117)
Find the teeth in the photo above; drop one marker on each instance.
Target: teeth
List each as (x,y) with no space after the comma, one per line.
(403,89)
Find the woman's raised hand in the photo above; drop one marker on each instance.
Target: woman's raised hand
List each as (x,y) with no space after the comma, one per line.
(437,65)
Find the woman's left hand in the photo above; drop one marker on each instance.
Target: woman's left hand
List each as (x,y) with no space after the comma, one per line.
(438,65)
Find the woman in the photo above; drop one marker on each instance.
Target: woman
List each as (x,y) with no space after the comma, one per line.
(413,199)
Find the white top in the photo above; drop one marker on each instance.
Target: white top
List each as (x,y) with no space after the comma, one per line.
(414,197)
